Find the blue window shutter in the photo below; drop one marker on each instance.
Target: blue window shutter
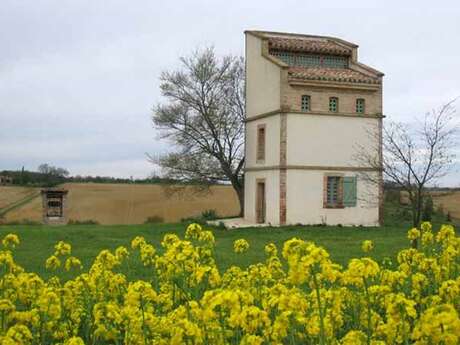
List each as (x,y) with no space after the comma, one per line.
(349,191)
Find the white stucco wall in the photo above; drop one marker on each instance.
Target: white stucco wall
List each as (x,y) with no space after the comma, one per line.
(272,195)
(272,141)
(262,80)
(317,140)
(305,201)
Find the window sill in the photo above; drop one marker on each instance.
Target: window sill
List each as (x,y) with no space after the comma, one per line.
(333,206)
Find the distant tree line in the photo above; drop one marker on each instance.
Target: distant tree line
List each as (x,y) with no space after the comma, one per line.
(50,176)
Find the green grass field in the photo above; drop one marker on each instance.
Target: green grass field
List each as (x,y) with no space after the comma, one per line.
(88,240)
(343,243)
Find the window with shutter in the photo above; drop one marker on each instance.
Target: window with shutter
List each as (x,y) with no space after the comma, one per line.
(260,156)
(333,193)
(349,191)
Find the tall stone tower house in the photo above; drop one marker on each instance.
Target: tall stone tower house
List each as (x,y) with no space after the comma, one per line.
(311,110)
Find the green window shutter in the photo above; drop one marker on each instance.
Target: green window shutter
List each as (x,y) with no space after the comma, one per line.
(349,191)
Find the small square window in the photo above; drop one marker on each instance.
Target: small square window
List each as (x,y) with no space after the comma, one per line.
(360,106)
(305,106)
(333,104)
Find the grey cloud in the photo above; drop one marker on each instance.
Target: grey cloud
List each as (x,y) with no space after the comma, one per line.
(78,78)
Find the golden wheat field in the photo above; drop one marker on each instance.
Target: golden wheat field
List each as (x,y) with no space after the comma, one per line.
(127,203)
(10,195)
(448,202)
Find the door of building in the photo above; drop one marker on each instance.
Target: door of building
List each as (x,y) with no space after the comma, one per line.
(260,202)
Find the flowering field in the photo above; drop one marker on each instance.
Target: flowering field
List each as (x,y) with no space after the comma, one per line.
(297,295)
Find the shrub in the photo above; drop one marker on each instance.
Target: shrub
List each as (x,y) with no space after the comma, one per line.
(201,219)
(154,220)
(298,295)
(82,222)
(209,215)
(428,209)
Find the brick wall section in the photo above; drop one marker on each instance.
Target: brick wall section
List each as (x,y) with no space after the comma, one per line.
(319,99)
(283,172)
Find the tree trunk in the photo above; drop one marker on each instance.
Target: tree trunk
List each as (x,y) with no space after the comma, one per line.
(414,214)
(419,206)
(238,186)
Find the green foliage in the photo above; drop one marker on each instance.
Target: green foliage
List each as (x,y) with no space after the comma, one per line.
(202,218)
(209,214)
(82,222)
(392,195)
(39,179)
(428,209)
(154,220)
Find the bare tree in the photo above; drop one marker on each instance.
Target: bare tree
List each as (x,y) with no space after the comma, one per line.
(52,175)
(203,117)
(417,155)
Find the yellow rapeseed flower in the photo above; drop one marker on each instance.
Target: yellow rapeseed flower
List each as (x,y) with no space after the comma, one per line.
(10,241)
(240,246)
(413,234)
(53,262)
(367,246)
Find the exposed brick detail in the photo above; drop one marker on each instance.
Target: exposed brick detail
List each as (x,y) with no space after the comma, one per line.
(319,99)
(283,172)
(325,191)
(283,208)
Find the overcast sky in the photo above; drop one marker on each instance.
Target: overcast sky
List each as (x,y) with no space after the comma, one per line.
(78,79)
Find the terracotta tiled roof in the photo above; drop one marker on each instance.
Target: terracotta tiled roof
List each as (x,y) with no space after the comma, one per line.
(307,44)
(331,74)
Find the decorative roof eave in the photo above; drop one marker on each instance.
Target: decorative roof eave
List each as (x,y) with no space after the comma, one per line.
(334,84)
(323,46)
(266,34)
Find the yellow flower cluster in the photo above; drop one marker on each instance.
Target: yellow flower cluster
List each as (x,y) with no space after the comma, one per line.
(62,250)
(240,246)
(367,246)
(299,296)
